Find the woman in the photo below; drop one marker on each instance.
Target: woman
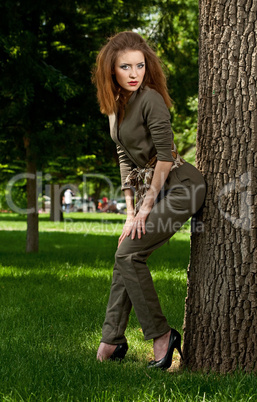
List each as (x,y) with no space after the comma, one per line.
(131,89)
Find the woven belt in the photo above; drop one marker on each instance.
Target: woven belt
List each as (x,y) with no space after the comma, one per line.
(141,178)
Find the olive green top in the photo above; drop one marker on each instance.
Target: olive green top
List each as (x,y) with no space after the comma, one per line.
(144,132)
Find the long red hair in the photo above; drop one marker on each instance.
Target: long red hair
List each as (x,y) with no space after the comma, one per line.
(107,86)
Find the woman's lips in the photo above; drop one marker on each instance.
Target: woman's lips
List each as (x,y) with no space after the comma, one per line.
(133,83)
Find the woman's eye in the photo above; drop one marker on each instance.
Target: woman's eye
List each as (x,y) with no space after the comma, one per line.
(127,67)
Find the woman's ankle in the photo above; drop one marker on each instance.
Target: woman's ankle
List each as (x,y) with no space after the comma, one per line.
(160,346)
(105,351)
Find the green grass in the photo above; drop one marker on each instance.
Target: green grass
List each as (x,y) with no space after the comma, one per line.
(52,309)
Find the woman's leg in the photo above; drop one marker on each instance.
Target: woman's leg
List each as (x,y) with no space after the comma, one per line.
(118,310)
(132,282)
(117,315)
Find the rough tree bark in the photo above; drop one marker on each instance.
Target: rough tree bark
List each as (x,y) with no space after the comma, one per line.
(221,306)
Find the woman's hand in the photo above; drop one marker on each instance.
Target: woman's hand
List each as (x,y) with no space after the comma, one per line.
(135,224)
(139,222)
(126,228)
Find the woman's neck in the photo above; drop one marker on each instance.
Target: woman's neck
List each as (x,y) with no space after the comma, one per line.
(122,101)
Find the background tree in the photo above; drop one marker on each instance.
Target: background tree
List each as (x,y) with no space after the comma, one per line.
(221,305)
(173,32)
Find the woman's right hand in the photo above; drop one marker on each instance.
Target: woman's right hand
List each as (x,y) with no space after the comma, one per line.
(127,228)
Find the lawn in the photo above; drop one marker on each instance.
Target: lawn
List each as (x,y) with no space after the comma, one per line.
(53,305)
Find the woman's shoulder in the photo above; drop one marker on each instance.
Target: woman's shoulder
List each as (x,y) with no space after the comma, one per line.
(152,99)
(150,96)
(149,93)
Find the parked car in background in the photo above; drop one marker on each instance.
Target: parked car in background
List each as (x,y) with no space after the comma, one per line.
(82,205)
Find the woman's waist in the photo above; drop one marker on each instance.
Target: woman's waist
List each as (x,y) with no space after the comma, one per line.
(186,175)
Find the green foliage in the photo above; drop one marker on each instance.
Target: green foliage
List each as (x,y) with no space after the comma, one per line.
(17,194)
(185,129)
(176,36)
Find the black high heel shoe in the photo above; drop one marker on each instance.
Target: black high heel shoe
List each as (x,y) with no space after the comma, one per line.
(120,352)
(174,343)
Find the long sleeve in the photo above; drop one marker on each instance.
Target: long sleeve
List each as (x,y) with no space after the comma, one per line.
(157,118)
(126,165)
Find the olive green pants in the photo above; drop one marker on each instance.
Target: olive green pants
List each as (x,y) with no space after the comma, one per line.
(132,283)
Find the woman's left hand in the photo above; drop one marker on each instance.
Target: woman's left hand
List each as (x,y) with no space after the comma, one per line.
(139,222)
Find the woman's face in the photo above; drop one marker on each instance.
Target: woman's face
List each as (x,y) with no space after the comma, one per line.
(129,69)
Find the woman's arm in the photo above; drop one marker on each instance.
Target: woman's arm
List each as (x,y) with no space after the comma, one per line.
(129,197)
(136,224)
(161,172)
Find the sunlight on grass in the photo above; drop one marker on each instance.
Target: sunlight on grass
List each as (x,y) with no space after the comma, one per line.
(53,306)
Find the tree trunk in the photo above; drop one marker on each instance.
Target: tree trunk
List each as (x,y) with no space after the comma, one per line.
(32,215)
(221,306)
(56,214)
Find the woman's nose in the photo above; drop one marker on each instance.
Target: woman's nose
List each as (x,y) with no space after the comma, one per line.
(133,72)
